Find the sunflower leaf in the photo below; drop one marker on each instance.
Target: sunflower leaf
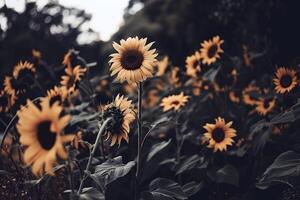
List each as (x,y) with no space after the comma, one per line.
(157,148)
(228,174)
(191,162)
(91,194)
(111,170)
(164,189)
(285,165)
(192,188)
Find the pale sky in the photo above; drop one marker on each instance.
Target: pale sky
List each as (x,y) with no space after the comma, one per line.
(107,15)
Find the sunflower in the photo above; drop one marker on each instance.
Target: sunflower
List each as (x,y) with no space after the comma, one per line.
(57,94)
(23,69)
(6,101)
(211,50)
(162,66)
(251,94)
(152,99)
(123,114)
(264,106)
(285,80)
(174,102)
(22,79)
(67,61)
(193,65)
(219,135)
(36,54)
(72,78)
(41,131)
(134,61)
(174,77)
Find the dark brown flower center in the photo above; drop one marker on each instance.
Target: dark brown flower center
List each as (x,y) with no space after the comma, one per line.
(212,51)
(4,100)
(267,103)
(45,136)
(286,81)
(218,134)
(115,126)
(195,64)
(132,59)
(71,82)
(55,98)
(175,103)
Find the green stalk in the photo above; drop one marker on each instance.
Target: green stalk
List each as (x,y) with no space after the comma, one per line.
(138,164)
(87,170)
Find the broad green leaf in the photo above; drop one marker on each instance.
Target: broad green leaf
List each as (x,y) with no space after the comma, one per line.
(111,170)
(192,188)
(189,163)
(91,194)
(157,148)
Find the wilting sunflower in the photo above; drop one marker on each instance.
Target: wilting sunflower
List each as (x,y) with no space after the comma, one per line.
(134,61)
(6,101)
(211,50)
(123,114)
(264,106)
(162,66)
(57,94)
(71,80)
(192,64)
(174,102)
(285,80)
(219,135)
(41,131)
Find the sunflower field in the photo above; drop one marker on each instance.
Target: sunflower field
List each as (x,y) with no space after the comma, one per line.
(188,100)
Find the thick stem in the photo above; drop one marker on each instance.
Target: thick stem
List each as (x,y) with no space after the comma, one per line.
(102,129)
(138,164)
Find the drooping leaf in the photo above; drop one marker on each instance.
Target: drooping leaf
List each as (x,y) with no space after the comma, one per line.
(228,174)
(189,163)
(285,165)
(164,189)
(111,170)
(157,148)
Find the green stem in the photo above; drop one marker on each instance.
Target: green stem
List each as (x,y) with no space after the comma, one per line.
(138,164)
(178,140)
(87,171)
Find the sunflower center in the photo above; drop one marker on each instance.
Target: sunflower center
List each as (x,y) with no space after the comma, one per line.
(45,136)
(71,82)
(218,135)
(286,81)
(115,126)
(3,101)
(25,76)
(132,59)
(195,64)
(212,51)
(175,103)
(55,98)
